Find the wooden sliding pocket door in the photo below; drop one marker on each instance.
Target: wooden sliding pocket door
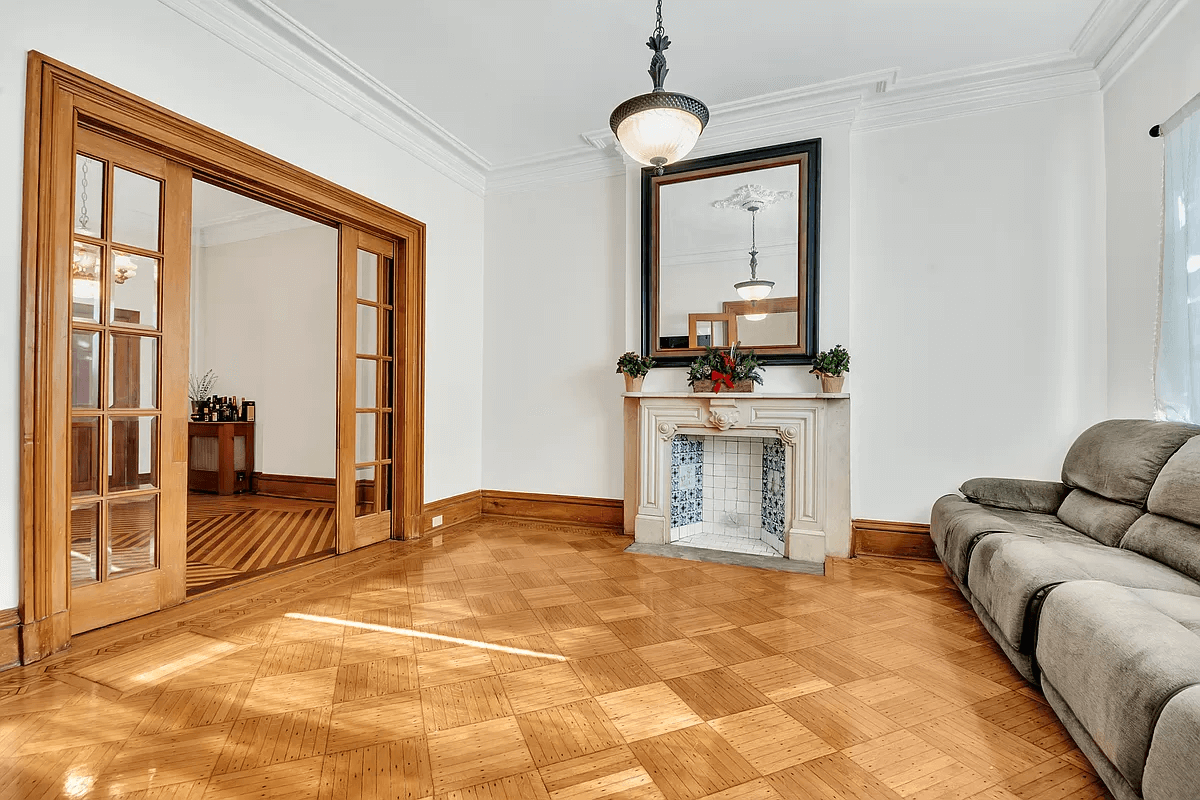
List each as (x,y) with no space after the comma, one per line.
(128,310)
(366,477)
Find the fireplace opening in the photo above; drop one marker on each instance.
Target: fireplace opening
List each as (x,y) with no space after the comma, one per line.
(728,493)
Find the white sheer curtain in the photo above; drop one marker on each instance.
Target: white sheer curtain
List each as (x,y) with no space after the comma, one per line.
(1177,367)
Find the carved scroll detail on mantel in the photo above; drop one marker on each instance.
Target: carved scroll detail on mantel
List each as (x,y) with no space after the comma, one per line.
(789,434)
(723,414)
(666,431)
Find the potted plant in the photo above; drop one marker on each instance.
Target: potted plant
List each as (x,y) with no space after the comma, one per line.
(735,370)
(832,365)
(200,387)
(634,368)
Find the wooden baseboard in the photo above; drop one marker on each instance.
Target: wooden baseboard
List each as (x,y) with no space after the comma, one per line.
(599,511)
(453,510)
(883,539)
(10,638)
(295,487)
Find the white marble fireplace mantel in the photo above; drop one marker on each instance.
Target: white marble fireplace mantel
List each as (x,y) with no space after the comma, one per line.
(815,429)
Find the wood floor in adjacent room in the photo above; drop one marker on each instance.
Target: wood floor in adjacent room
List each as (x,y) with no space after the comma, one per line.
(232,536)
(509,659)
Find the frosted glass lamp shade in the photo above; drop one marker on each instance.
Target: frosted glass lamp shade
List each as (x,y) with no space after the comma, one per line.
(754,317)
(659,128)
(754,290)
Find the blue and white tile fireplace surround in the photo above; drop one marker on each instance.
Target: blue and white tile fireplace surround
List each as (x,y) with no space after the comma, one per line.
(758,474)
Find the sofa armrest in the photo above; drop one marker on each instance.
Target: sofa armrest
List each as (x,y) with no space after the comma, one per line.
(1038,497)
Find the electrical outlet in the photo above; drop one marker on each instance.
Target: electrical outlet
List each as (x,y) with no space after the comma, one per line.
(437,521)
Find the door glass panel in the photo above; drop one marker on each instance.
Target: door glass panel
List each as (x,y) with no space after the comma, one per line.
(85,541)
(85,282)
(386,288)
(132,534)
(365,383)
(364,491)
(385,436)
(367,329)
(135,209)
(89,196)
(134,290)
(385,487)
(133,371)
(385,379)
(85,456)
(132,453)
(85,369)
(368,276)
(364,448)
(385,343)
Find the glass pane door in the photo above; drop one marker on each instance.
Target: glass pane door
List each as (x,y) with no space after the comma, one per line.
(367,387)
(120,254)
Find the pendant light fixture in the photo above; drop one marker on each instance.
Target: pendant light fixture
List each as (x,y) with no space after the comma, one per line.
(85,264)
(661,127)
(754,289)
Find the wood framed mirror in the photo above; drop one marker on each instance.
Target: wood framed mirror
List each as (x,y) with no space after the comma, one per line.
(730,245)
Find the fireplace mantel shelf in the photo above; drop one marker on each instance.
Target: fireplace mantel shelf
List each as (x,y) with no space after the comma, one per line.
(745,395)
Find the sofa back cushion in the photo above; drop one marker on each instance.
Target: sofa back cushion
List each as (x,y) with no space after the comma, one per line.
(1167,541)
(1119,459)
(1176,493)
(1104,520)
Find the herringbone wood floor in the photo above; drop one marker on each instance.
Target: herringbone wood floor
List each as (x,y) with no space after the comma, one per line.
(517,660)
(231,536)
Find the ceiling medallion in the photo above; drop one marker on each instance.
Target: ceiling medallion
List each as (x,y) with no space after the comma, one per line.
(661,127)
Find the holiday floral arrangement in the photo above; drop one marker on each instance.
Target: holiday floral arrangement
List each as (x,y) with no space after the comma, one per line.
(736,370)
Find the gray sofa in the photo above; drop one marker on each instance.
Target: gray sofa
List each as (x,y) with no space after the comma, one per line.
(1091,587)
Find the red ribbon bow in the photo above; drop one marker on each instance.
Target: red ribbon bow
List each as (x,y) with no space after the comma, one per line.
(720,379)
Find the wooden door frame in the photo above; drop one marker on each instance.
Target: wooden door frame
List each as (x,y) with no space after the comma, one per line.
(58,97)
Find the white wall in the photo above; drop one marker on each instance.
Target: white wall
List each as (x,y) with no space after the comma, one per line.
(1159,82)
(962,262)
(978,311)
(144,47)
(555,326)
(269,311)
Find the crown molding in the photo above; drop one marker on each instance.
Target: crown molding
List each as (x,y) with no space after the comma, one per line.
(264,32)
(1118,31)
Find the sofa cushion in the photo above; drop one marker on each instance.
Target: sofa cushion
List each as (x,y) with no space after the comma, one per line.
(1120,458)
(1100,518)
(1040,497)
(1171,765)
(1168,541)
(1116,661)
(1007,572)
(1176,493)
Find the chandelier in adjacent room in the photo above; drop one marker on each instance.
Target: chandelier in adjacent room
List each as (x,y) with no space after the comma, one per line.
(661,127)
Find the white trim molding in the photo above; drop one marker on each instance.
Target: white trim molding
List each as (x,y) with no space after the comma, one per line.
(261,30)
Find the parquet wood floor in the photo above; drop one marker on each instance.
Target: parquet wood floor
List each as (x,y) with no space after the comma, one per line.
(232,536)
(508,659)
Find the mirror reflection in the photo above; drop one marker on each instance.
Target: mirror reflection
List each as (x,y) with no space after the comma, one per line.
(728,257)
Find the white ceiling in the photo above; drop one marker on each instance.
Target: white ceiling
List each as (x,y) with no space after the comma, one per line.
(522,78)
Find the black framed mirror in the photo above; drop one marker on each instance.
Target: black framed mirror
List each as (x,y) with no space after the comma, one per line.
(730,254)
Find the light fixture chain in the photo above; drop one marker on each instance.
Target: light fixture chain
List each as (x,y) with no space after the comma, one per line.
(658,31)
(83,215)
(753,245)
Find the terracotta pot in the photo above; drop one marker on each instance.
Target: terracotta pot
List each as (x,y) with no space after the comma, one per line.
(743,387)
(831,384)
(633,384)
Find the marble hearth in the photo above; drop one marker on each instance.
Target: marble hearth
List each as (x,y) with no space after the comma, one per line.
(810,431)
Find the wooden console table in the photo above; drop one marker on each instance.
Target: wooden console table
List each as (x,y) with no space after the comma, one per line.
(220,457)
